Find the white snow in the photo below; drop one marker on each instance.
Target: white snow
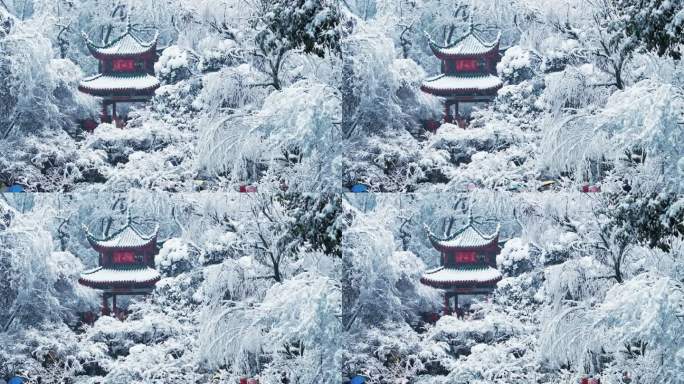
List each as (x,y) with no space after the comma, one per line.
(447,275)
(471,44)
(446,83)
(128,45)
(108,82)
(173,251)
(108,275)
(515,251)
(468,237)
(171,59)
(126,238)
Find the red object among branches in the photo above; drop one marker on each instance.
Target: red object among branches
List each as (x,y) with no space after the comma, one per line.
(247,188)
(586,188)
(89,125)
(244,380)
(431,125)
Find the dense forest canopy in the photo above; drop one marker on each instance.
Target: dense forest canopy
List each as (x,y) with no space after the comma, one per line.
(264,114)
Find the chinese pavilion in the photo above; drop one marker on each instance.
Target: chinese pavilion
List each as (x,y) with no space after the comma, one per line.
(126,264)
(126,71)
(468,264)
(468,73)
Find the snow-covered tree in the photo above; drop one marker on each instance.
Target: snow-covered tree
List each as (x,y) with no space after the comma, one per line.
(659,24)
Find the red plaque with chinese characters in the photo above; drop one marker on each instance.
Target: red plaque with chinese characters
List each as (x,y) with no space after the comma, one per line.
(123,258)
(123,65)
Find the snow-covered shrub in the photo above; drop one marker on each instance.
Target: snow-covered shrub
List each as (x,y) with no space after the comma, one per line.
(387,162)
(507,169)
(153,171)
(182,292)
(119,144)
(49,353)
(558,53)
(121,336)
(293,134)
(301,314)
(176,100)
(659,24)
(391,351)
(463,143)
(517,65)
(370,83)
(520,99)
(574,88)
(571,144)
(37,284)
(37,91)
(418,105)
(301,115)
(161,363)
(561,250)
(47,162)
(375,267)
(644,312)
(233,279)
(461,335)
(646,115)
(521,293)
(515,257)
(508,362)
(174,65)
(226,246)
(66,269)
(576,279)
(216,54)
(229,88)
(176,257)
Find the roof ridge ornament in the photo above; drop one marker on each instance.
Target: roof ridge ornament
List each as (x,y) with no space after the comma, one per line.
(86,230)
(128,22)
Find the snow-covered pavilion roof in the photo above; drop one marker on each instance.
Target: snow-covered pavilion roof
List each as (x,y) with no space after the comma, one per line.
(128,44)
(480,276)
(445,85)
(128,237)
(119,84)
(468,237)
(468,45)
(136,277)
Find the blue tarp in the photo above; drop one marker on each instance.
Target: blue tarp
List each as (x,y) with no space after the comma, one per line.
(16,380)
(15,188)
(357,188)
(358,380)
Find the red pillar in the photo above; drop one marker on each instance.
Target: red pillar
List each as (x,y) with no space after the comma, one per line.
(114,115)
(447,112)
(104,116)
(105,305)
(447,309)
